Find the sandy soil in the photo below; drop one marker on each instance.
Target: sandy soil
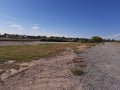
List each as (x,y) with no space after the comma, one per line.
(46,74)
(103,70)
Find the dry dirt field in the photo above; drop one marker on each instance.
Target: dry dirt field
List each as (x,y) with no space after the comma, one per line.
(45,74)
(52,73)
(100,63)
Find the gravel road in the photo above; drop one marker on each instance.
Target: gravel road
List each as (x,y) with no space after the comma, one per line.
(103,71)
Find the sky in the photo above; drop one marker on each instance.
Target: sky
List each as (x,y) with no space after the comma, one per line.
(70,18)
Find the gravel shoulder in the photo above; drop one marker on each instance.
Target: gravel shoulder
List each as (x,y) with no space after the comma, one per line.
(103,70)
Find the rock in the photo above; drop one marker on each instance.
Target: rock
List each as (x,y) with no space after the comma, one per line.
(4,76)
(10,62)
(13,71)
(1,71)
(24,64)
(30,82)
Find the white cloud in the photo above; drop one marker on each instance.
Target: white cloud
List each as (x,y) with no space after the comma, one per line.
(16,27)
(35,27)
(115,36)
(13,28)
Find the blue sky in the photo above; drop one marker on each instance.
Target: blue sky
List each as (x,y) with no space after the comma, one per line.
(72,18)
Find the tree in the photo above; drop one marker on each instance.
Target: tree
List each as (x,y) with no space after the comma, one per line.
(84,40)
(96,39)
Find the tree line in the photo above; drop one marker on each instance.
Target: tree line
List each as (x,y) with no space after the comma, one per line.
(16,37)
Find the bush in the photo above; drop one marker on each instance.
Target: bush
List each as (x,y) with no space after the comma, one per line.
(78,72)
(96,39)
(84,40)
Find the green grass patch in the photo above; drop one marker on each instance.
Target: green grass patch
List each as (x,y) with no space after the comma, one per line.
(78,72)
(23,53)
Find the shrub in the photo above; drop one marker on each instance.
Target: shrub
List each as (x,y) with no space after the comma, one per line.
(84,40)
(96,39)
(78,72)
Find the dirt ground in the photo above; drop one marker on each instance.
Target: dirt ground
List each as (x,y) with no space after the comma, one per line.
(46,74)
(102,71)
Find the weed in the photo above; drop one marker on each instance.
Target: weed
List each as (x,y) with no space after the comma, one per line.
(79,72)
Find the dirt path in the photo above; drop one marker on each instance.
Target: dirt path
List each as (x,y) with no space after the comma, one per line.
(103,71)
(48,74)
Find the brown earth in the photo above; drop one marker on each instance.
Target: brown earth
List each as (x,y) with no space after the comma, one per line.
(45,74)
(102,71)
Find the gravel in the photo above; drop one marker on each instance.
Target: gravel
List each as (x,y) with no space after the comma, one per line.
(103,70)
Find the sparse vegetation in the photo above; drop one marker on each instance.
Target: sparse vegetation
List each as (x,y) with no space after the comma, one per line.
(23,53)
(78,60)
(78,72)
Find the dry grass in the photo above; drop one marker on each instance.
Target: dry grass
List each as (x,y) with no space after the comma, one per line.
(28,52)
(83,65)
(81,47)
(9,66)
(23,53)
(78,60)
